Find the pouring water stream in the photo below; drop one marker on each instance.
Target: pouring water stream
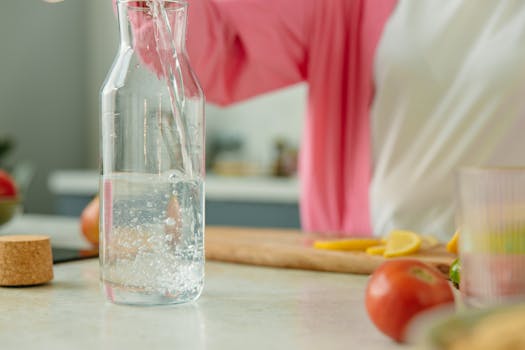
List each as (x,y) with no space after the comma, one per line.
(171,70)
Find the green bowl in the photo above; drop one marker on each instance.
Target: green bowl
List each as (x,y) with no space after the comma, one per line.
(8,209)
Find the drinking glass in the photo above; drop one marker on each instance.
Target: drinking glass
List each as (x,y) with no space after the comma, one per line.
(491,221)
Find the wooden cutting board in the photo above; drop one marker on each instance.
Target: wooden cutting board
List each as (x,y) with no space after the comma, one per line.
(292,249)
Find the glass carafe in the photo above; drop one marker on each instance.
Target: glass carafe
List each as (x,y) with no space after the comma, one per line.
(152,166)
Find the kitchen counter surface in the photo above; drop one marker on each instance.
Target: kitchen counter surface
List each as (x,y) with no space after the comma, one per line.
(246,188)
(242,307)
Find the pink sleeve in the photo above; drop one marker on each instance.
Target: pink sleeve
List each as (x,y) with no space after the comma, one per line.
(241,48)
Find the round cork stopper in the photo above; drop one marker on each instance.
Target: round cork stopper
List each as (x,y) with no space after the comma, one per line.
(25,260)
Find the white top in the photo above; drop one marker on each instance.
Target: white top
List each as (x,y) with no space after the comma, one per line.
(450,92)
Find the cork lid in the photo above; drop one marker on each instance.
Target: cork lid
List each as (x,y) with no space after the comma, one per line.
(25,260)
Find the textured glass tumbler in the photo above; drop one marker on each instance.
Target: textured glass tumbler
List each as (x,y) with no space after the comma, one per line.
(492,241)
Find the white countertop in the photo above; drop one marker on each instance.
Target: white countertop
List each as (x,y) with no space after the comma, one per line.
(242,307)
(251,189)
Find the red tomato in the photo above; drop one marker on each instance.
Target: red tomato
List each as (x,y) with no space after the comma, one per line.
(400,289)
(7,185)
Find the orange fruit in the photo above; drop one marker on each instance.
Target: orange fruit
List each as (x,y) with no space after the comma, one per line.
(89,221)
(452,245)
(428,241)
(401,243)
(352,244)
(376,250)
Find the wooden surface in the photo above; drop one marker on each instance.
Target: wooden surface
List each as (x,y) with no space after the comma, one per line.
(292,249)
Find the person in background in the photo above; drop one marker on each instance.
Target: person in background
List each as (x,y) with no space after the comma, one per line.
(401,94)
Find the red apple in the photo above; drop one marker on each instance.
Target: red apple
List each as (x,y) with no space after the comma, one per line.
(7,186)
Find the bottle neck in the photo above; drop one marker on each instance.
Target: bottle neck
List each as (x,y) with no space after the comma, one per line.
(138,27)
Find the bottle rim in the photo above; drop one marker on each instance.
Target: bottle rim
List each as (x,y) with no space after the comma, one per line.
(170,5)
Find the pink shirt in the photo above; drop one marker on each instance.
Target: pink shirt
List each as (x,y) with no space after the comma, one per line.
(241,48)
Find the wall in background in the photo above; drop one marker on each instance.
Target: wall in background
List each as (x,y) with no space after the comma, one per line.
(102,44)
(52,64)
(261,121)
(42,88)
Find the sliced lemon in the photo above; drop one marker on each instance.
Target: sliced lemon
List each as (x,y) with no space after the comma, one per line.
(353,244)
(400,243)
(452,245)
(428,241)
(376,249)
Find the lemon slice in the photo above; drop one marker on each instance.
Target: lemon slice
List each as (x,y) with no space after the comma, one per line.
(452,245)
(400,243)
(376,250)
(428,242)
(354,244)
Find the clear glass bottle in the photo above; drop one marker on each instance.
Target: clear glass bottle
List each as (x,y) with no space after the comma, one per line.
(152,166)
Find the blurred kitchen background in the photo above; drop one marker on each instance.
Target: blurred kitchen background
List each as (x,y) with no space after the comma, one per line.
(54,58)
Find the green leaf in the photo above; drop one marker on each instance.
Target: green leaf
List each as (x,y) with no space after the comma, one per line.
(6,145)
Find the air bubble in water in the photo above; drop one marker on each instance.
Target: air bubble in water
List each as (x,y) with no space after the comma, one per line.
(170,222)
(158,254)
